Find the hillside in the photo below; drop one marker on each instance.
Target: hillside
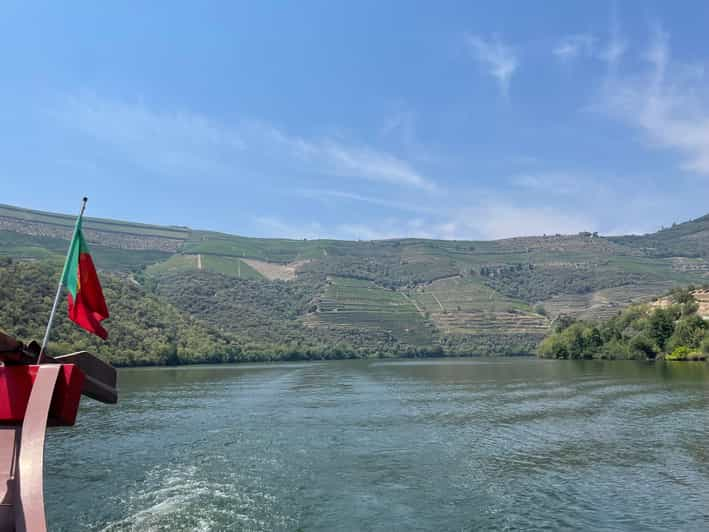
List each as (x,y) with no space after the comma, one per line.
(279,298)
(143,329)
(672,327)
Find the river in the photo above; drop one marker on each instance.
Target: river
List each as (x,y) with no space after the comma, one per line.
(464,444)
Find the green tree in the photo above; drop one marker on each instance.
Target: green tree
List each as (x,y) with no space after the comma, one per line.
(644,346)
(689,331)
(661,326)
(576,341)
(553,347)
(593,340)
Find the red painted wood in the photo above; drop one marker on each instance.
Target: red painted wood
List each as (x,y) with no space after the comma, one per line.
(16,385)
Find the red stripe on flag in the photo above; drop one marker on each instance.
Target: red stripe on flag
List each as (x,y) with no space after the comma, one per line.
(89,308)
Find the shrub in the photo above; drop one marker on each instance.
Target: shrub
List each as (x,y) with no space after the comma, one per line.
(681,353)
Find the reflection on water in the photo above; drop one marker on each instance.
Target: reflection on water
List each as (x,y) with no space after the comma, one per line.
(390,445)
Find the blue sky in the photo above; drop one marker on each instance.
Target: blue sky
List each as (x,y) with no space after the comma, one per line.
(359,120)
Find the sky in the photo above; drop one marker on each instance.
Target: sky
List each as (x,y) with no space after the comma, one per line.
(359,120)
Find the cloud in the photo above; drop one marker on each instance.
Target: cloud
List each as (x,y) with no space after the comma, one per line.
(368,164)
(331,156)
(658,55)
(325,194)
(617,44)
(182,143)
(400,128)
(384,229)
(587,45)
(544,202)
(666,101)
(573,46)
(169,143)
(490,218)
(504,220)
(500,60)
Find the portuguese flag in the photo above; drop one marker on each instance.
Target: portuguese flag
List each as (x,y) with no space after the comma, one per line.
(87,307)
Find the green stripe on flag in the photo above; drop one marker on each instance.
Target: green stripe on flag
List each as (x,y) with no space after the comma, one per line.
(70,275)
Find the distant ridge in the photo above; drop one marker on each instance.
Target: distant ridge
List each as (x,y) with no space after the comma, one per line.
(179,231)
(69,219)
(122,235)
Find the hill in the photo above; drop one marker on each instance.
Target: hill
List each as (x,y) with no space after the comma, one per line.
(144,330)
(281,298)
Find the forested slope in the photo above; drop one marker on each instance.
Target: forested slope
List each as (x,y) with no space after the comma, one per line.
(671,328)
(142,329)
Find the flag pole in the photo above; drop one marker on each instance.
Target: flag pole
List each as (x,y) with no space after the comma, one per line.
(40,357)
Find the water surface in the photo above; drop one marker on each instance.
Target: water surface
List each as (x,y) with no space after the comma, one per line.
(473,444)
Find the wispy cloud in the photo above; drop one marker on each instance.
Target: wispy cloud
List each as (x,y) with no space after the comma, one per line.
(666,101)
(384,229)
(400,128)
(550,202)
(500,60)
(170,143)
(658,55)
(334,157)
(327,195)
(573,46)
(187,143)
(489,218)
(617,44)
(503,220)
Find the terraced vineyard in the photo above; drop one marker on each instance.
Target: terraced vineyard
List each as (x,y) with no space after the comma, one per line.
(114,226)
(602,304)
(466,306)
(281,298)
(462,294)
(352,303)
(211,263)
(122,235)
(512,322)
(268,249)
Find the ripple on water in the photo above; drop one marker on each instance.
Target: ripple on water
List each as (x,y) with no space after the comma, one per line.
(393,446)
(183,498)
